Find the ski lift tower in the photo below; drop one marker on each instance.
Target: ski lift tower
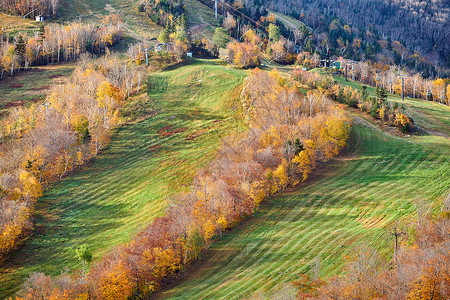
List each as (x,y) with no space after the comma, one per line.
(403,77)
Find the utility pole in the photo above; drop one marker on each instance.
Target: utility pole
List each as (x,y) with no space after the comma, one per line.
(403,77)
(346,73)
(396,235)
(46,107)
(215,6)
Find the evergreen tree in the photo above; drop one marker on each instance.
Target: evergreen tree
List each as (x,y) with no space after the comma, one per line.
(164,35)
(221,37)
(19,48)
(298,146)
(381,95)
(364,93)
(397,57)
(274,33)
(41,33)
(304,30)
(389,43)
(309,47)
(369,51)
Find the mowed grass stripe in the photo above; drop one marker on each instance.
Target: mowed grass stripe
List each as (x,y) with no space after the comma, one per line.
(303,244)
(329,218)
(289,218)
(278,240)
(127,186)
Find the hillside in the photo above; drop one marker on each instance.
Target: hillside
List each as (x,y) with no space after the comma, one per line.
(138,26)
(201,20)
(379,180)
(422,25)
(128,185)
(169,205)
(430,116)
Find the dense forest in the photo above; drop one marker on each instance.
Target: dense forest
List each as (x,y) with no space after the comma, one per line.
(422,25)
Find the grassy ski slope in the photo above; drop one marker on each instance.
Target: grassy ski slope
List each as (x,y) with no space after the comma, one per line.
(188,111)
(353,201)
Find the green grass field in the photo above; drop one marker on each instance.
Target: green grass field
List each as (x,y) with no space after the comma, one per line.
(127,186)
(354,201)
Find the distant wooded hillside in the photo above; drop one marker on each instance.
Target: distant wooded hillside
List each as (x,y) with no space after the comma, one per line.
(421,25)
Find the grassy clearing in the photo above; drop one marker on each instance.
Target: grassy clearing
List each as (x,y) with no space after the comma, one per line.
(353,201)
(198,14)
(288,21)
(127,186)
(138,26)
(32,85)
(92,10)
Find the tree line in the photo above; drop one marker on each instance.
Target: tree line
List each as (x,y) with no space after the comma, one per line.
(47,141)
(390,78)
(289,135)
(56,43)
(377,107)
(30,8)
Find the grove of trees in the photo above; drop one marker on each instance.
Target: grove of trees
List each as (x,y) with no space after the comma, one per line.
(55,43)
(389,78)
(377,107)
(30,8)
